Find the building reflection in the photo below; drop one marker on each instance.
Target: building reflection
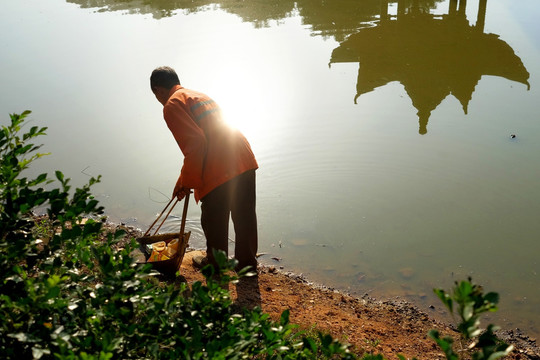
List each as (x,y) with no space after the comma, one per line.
(258,12)
(432,56)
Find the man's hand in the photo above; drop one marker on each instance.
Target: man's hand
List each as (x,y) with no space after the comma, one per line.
(180,192)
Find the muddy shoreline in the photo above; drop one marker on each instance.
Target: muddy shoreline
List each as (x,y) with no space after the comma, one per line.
(367,324)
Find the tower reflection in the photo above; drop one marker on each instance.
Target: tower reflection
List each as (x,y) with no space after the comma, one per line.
(431,55)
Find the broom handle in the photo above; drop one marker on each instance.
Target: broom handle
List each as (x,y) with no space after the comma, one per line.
(166,216)
(155,221)
(184,215)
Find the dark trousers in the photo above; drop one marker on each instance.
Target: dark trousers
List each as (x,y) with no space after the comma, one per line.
(235,198)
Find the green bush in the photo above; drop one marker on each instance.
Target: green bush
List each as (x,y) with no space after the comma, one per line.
(68,292)
(471,302)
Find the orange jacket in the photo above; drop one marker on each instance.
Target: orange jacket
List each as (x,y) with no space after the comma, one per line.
(214,153)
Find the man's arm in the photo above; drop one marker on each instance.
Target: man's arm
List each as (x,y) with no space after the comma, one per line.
(192,142)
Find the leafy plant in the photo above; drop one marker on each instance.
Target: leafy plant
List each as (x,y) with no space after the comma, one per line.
(68,291)
(471,302)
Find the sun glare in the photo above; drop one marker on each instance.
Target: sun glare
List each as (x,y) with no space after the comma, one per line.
(242,111)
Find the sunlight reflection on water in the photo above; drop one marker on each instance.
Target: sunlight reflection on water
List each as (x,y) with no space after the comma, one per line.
(349,192)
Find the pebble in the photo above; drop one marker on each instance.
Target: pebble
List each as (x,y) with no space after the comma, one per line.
(299,242)
(407,272)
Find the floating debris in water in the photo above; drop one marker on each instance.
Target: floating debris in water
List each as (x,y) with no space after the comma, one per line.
(298,241)
(512,136)
(360,277)
(322,245)
(406,272)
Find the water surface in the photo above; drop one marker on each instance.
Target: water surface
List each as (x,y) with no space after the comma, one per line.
(383,130)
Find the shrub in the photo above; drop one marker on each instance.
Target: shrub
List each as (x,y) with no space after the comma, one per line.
(68,292)
(471,302)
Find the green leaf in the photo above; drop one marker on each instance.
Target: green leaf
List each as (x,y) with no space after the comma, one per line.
(310,344)
(500,354)
(38,352)
(492,298)
(468,311)
(445,299)
(22,337)
(284,320)
(445,344)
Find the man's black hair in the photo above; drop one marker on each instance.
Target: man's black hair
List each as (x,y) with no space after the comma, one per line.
(164,76)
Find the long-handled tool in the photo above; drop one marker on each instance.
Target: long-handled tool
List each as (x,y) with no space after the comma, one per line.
(169,265)
(162,211)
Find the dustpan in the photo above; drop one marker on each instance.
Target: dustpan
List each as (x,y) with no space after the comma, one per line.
(165,261)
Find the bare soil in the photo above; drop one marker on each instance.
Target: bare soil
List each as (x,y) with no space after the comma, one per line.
(368,325)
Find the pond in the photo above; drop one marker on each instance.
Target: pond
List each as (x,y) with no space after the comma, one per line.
(398,142)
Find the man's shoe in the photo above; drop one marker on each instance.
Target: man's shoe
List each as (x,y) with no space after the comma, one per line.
(200,261)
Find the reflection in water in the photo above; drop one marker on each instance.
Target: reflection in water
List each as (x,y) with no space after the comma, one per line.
(432,56)
(259,12)
(336,19)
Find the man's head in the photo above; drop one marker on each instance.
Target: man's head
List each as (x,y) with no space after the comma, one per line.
(162,80)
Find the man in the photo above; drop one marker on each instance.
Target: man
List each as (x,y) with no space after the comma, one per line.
(218,165)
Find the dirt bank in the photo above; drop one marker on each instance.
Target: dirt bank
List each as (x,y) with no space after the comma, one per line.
(387,327)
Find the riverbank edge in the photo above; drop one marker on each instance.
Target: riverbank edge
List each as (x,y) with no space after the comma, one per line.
(389,327)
